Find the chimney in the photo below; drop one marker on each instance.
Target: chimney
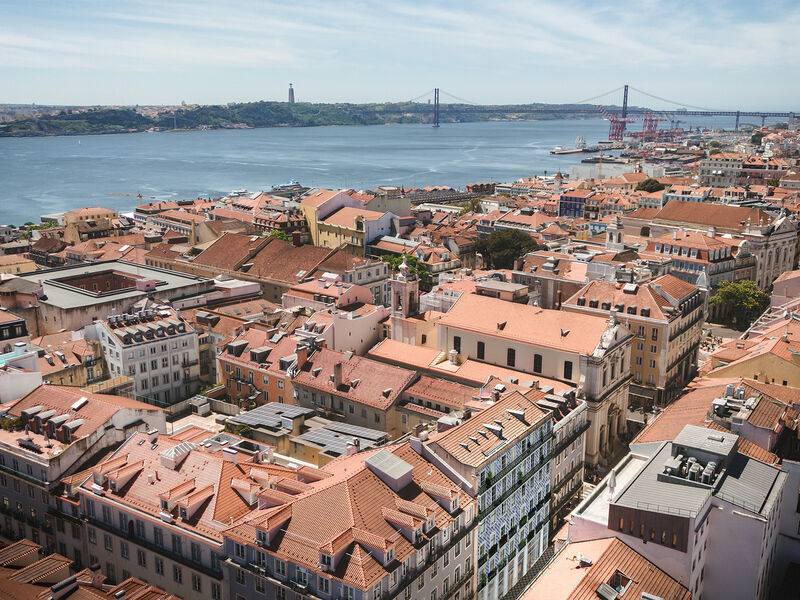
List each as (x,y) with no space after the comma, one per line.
(97,576)
(296,239)
(152,436)
(353,446)
(230,455)
(302,356)
(337,375)
(712,232)
(675,235)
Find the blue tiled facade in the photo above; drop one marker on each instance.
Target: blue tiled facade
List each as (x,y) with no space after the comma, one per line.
(514,511)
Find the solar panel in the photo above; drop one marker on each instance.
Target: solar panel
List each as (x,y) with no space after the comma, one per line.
(355,430)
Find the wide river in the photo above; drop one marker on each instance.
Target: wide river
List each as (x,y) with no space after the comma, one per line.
(54,174)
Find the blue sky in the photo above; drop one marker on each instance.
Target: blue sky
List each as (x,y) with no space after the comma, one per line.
(709,54)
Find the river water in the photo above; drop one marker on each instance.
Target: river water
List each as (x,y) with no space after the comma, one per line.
(54,174)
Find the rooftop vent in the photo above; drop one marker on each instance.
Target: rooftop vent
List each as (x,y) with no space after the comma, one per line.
(80,403)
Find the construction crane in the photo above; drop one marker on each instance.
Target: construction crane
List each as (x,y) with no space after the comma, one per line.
(136,195)
(617,124)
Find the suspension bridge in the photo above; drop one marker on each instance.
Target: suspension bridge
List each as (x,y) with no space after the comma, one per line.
(618,121)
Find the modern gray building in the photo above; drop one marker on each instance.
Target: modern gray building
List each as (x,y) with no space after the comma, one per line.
(698,507)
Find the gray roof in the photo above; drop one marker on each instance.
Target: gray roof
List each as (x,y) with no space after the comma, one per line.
(270,415)
(334,442)
(749,484)
(505,286)
(387,463)
(743,481)
(707,440)
(63,295)
(647,492)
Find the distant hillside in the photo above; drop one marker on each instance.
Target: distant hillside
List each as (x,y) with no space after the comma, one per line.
(271,114)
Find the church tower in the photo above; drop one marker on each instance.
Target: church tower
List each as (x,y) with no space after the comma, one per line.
(615,233)
(291,94)
(405,299)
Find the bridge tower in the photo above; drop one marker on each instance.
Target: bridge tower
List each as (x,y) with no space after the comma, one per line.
(624,106)
(436,107)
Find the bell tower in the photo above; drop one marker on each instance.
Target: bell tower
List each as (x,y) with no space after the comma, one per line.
(405,298)
(615,233)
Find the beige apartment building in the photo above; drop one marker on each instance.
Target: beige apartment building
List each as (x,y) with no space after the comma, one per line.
(666,317)
(588,351)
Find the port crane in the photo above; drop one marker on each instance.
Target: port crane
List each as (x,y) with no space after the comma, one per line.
(136,195)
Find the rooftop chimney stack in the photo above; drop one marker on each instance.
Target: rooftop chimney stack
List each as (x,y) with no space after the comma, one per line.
(337,375)
(97,576)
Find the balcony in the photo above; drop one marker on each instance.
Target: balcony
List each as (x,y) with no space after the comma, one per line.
(505,470)
(189,363)
(576,433)
(568,477)
(467,575)
(498,501)
(158,550)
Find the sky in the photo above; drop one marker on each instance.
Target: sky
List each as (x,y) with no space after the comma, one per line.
(722,55)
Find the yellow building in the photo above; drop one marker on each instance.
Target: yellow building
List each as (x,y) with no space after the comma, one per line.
(313,205)
(14,264)
(352,228)
(89,213)
(770,357)
(666,316)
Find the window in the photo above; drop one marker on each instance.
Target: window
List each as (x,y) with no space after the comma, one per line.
(177,544)
(324,585)
(123,549)
(216,591)
(481,350)
(511,357)
(159,565)
(537,363)
(177,574)
(158,536)
(654,335)
(280,568)
(197,584)
(238,550)
(92,535)
(196,553)
(141,558)
(653,348)
(457,343)
(567,369)
(108,543)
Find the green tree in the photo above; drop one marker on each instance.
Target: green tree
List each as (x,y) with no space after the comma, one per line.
(741,301)
(756,138)
(714,144)
(774,182)
(473,205)
(650,185)
(280,235)
(416,266)
(504,246)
